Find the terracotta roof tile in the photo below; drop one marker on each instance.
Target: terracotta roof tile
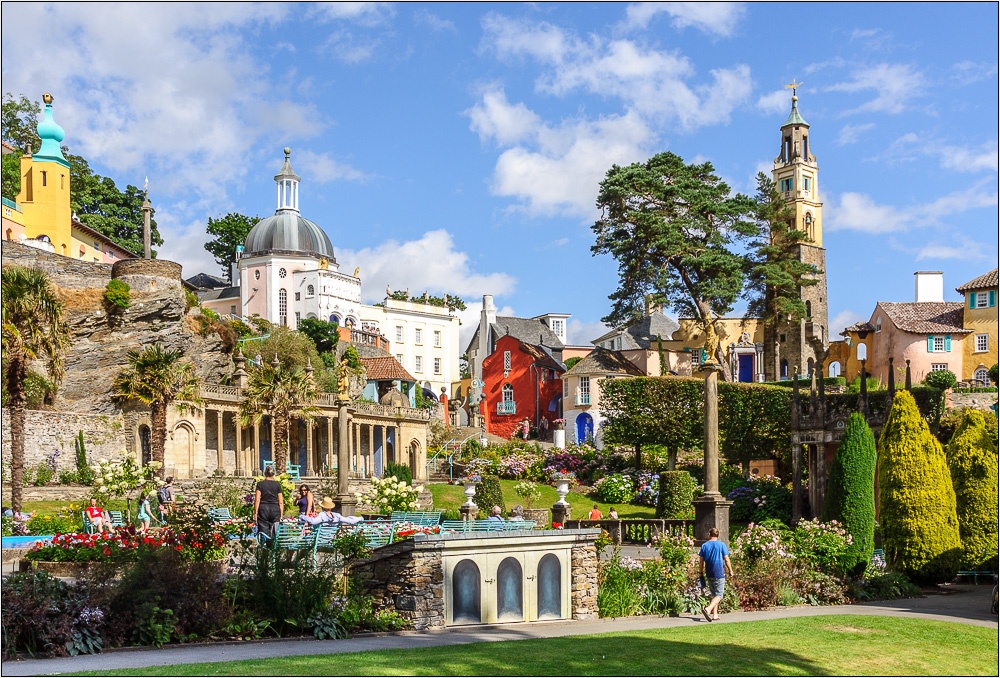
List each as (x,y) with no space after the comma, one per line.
(603,361)
(927,317)
(985,281)
(542,358)
(385,369)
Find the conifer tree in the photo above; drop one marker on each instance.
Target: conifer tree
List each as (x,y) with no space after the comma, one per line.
(850,495)
(972,459)
(916,499)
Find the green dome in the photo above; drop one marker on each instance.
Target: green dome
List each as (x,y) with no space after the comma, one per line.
(52,135)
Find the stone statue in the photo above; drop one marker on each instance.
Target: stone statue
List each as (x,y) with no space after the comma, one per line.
(711,343)
(343,380)
(388,292)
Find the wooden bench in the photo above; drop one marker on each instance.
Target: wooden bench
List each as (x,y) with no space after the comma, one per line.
(219,515)
(422,518)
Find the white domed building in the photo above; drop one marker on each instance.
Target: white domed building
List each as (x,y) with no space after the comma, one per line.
(287,268)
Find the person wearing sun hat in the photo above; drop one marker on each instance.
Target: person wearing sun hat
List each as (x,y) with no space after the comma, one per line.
(328,515)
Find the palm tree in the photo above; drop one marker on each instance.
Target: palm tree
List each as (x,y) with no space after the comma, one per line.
(157,378)
(280,392)
(33,329)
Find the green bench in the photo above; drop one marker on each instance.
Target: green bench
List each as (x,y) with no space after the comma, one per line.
(486,525)
(219,515)
(976,574)
(292,470)
(422,518)
(115,519)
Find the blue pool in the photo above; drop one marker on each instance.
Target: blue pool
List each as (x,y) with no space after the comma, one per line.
(24,542)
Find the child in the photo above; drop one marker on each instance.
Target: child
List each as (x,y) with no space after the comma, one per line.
(144,515)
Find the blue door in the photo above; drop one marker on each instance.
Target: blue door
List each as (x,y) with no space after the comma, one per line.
(746,367)
(584,428)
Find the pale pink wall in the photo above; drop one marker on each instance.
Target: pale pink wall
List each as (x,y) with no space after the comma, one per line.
(903,346)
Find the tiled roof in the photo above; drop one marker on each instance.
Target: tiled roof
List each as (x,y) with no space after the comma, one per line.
(926,317)
(542,358)
(528,330)
(385,369)
(224,293)
(863,326)
(985,281)
(603,361)
(208,281)
(643,332)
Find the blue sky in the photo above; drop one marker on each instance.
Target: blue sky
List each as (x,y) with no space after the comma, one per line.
(458,147)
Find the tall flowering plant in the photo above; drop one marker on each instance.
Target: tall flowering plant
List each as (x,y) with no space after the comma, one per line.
(758,543)
(389,494)
(819,545)
(116,479)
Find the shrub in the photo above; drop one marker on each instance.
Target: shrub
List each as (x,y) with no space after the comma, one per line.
(951,420)
(757,584)
(62,522)
(529,492)
(818,546)
(615,489)
(676,495)
(401,471)
(44,616)
(886,586)
(850,495)
(43,474)
(972,459)
(760,543)
(190,300)
(68,477)
(117,295)
(916,499)
(761,498)
(83,470)
(942,379)
(489,494)
(388,494)
(647,489)
(617,593)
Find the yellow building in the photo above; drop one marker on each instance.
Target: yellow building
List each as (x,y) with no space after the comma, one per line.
(979,347)
(741,340)
(41,215)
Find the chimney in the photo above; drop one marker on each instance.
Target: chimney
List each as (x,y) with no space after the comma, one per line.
(928,286)
(487,318)
(651,306)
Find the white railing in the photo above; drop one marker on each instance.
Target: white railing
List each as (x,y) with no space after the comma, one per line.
(506,407)
(581,399)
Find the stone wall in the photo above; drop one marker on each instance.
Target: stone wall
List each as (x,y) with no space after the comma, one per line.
(148,275)
(407,580)
(62,271)
(585,562)
(103,435)
(979,401)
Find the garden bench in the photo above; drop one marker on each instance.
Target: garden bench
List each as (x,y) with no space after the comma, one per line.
(878,553)
(976,574)
(115,519)
(292,470)
(219,515)
(377,532)
(473,526)
(515,525)
(422,518)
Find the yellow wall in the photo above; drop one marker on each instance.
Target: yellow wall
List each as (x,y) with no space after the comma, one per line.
(980,321)
(44,200)
(691,336)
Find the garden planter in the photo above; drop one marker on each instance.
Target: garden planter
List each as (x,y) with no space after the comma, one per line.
(562,489)
(559,438)
(470,492)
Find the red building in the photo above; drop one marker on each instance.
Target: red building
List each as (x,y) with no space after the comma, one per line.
(520,381)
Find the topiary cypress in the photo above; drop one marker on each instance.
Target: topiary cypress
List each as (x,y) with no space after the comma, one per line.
(489,494)
(972,459)
(850,494)
(676,497)
(916,500)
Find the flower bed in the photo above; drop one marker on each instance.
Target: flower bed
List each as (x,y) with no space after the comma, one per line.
(126,545)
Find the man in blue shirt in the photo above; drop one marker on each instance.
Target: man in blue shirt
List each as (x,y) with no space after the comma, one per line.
(714,558)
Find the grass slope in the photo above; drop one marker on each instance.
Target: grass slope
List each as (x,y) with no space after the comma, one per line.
(825,645)
(451,497)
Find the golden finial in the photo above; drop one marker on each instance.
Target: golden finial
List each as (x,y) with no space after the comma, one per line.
(794,86)
(47,98)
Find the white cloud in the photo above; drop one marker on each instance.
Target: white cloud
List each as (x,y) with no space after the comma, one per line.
(912,146)
(362,13)
(321,168)
(424,18)
(971,72)
(895,85)
(429,263)
(717,18)
(942,251)
(345,45)
(580,333)
(850,134)
(775,102)
(494,117)
(845,318)
(859,212)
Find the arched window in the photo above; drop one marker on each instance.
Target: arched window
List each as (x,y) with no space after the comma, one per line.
(334,318)
(809,366)
(784,368)
(508,393)
(810,232)
(310,290)
(982,375)
(809,310)
(282,307)
(834,369)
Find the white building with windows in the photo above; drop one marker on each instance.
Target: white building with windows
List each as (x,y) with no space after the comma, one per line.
(287,268)
(423,339)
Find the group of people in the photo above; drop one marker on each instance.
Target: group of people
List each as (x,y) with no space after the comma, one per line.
(269,506)
(100,518)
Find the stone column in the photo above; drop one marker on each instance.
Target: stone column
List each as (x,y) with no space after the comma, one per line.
(371,450)
(711,509)
(239,444)
(796,481)
(346,504)
(307,466)
(329,443)
(256,447)
(220,438)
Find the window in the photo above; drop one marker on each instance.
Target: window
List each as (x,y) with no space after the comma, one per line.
(506,361)
(982,299)
(437,338)
(807,184)
(399,334)
(878,324)
(582,391)
(298,319)
(565,384)
(43,178)
(696,358)
(310,290)
(939,367)
(982,343)
(256,275)
(939,344)
(282,307)
(585,385)
(557,327)
(399,358)
(418,364)
(232,310)
(982,375)
(297,298)
(418,336)
(437,366)
(508,393)
(282,273)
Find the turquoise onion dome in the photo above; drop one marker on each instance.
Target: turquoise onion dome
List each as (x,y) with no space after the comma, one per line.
(52,135)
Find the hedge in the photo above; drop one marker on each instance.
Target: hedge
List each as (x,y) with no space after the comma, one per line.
(916,500)
(806,382)
(489,494)
(676,497)
(850,494)
(972,460)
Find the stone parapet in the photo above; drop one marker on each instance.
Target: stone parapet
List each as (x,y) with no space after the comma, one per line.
(148,275)
(62,271)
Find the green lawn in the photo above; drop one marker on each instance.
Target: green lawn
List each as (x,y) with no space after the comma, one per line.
(826,645)
(452,496)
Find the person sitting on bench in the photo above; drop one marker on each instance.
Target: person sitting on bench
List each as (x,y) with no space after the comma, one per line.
(327,515)
(98,517)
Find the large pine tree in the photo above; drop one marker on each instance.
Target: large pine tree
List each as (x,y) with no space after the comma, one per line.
(850,495)
(972,459)
(916,499)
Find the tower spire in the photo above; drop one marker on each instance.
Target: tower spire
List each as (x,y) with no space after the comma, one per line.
(52,135)
(288,185)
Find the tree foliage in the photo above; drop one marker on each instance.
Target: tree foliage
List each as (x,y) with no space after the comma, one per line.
(850,494)
(228,232)
(916,499)
(972,460)
(322,332)
(96,200)
(676,495)
(32,330)
(451,301)
(280,392)
(671,227)
(942,379)
(157,378)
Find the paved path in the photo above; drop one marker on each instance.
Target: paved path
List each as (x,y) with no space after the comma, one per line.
(966,604)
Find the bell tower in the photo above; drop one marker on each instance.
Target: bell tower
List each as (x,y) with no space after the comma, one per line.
(800,345)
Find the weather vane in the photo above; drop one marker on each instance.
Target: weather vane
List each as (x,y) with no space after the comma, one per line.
(794,86)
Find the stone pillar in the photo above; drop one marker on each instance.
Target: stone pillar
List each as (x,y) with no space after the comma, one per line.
(256,447)
(561,513)
(371,449)
(220,438)
(346,504)
(239,444)
(329,443)
(307,466)
(711,509)
(796,481)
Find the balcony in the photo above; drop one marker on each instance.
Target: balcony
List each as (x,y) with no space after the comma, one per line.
(506,407)
(581,399)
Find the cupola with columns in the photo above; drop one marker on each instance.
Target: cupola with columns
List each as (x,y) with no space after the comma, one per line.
(796,174)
